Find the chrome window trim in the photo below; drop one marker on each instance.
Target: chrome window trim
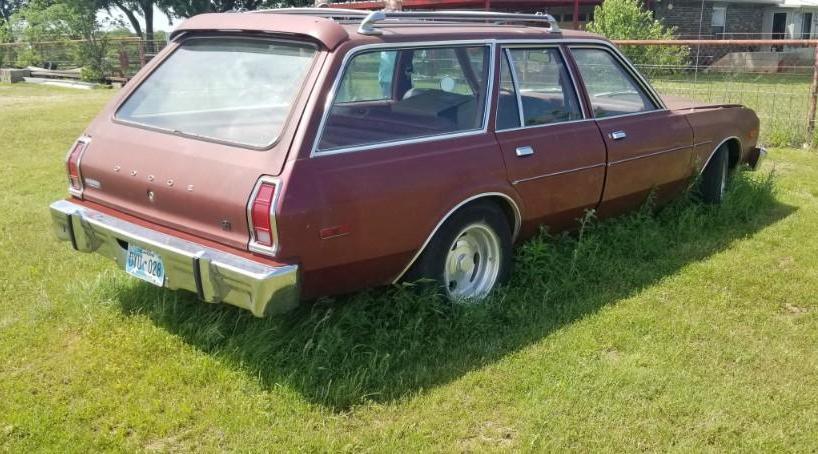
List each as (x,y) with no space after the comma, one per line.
(547,125)
(397,143)
(644,112)
(253,245)
(516,85)
(580,99)
(315,152)
(593,42)
(637,77)
(713,153)
(221,34)
(518,221)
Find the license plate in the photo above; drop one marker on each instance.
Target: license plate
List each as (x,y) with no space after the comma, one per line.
(145,264)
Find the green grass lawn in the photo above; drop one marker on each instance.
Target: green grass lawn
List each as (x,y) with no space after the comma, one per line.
(780,100)
(694,328)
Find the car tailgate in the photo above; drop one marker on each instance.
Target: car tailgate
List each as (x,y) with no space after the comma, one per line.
(195,186)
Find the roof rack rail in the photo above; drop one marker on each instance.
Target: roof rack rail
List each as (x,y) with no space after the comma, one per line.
(370,19)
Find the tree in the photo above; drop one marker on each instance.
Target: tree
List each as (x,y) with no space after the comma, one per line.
(626,19)
(189,8)
(66,20)
(7,8)
(129,11)
(144,8)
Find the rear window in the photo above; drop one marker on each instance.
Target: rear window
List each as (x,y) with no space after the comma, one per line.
(226,89)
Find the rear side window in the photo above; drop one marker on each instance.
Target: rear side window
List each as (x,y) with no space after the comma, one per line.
(227,89)
(611,88)
(544,89)
(403,94)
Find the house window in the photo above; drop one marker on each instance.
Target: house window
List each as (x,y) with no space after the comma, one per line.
(806,26)
(717,22)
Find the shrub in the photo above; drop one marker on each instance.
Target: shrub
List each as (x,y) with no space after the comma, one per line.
(626,19)
(28,57)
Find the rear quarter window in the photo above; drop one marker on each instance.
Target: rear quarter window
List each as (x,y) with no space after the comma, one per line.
(393,95)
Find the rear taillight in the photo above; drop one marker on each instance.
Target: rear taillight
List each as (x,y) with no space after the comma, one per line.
(261,215)
(72,162)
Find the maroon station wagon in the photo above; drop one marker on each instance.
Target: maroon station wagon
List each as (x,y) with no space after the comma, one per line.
(263,158)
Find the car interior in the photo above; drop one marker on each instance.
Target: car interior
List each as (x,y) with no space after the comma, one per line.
(414,107)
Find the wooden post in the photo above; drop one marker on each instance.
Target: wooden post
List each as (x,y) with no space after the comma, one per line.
(576,14)
(813,98)
(142,61)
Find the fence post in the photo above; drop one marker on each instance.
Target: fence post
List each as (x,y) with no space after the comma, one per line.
(141,52)
(813,98)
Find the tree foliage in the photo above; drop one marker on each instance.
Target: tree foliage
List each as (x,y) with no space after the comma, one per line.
(62,21)
(7,8)
(626,19)
(188,8)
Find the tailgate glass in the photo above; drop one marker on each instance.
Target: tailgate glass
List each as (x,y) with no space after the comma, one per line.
(234,90)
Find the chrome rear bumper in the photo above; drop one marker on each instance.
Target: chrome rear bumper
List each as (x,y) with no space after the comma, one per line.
(214,275)
(756,157)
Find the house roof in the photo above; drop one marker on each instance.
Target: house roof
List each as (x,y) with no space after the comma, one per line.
(798,3)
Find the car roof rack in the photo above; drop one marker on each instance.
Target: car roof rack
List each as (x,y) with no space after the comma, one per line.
(370,20)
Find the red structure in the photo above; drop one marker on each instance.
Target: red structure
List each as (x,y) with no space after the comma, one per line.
(497,5)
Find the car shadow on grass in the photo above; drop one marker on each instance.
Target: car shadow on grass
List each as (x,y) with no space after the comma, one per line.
(383,344)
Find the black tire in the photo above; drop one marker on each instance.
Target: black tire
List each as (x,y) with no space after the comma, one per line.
(429,267)
(713,182)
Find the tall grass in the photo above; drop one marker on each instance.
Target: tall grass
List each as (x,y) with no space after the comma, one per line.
(384,344)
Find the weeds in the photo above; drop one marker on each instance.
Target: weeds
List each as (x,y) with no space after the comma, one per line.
(384,343)
(692,328)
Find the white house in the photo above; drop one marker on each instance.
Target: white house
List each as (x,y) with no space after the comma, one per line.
(791,19)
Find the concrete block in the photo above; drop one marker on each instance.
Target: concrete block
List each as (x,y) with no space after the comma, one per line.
(10,76)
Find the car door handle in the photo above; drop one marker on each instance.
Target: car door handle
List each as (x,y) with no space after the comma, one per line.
(618,135)
(524,151)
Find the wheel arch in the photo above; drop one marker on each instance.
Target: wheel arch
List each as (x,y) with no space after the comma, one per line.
(733,144)
(510,208)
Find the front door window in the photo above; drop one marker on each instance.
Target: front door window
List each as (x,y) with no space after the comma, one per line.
(611,89)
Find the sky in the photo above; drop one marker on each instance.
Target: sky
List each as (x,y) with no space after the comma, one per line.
(160,20)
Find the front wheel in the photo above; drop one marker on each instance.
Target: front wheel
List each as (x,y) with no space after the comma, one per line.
(713,184)
(469,255)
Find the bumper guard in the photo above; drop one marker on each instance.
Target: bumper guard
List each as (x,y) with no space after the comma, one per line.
(215,276)
(756,157)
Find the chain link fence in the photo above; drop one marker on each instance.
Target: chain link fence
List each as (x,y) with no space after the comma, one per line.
(123,57)
(776,78)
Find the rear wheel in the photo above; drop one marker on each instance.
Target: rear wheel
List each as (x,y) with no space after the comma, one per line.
(470,255)
(713,184)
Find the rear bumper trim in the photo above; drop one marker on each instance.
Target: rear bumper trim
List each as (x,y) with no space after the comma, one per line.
(215,276)
(71,236)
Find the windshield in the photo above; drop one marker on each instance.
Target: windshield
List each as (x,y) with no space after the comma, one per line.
(228,89)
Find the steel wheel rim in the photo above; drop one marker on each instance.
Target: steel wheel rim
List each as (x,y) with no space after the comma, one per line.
(472,263)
